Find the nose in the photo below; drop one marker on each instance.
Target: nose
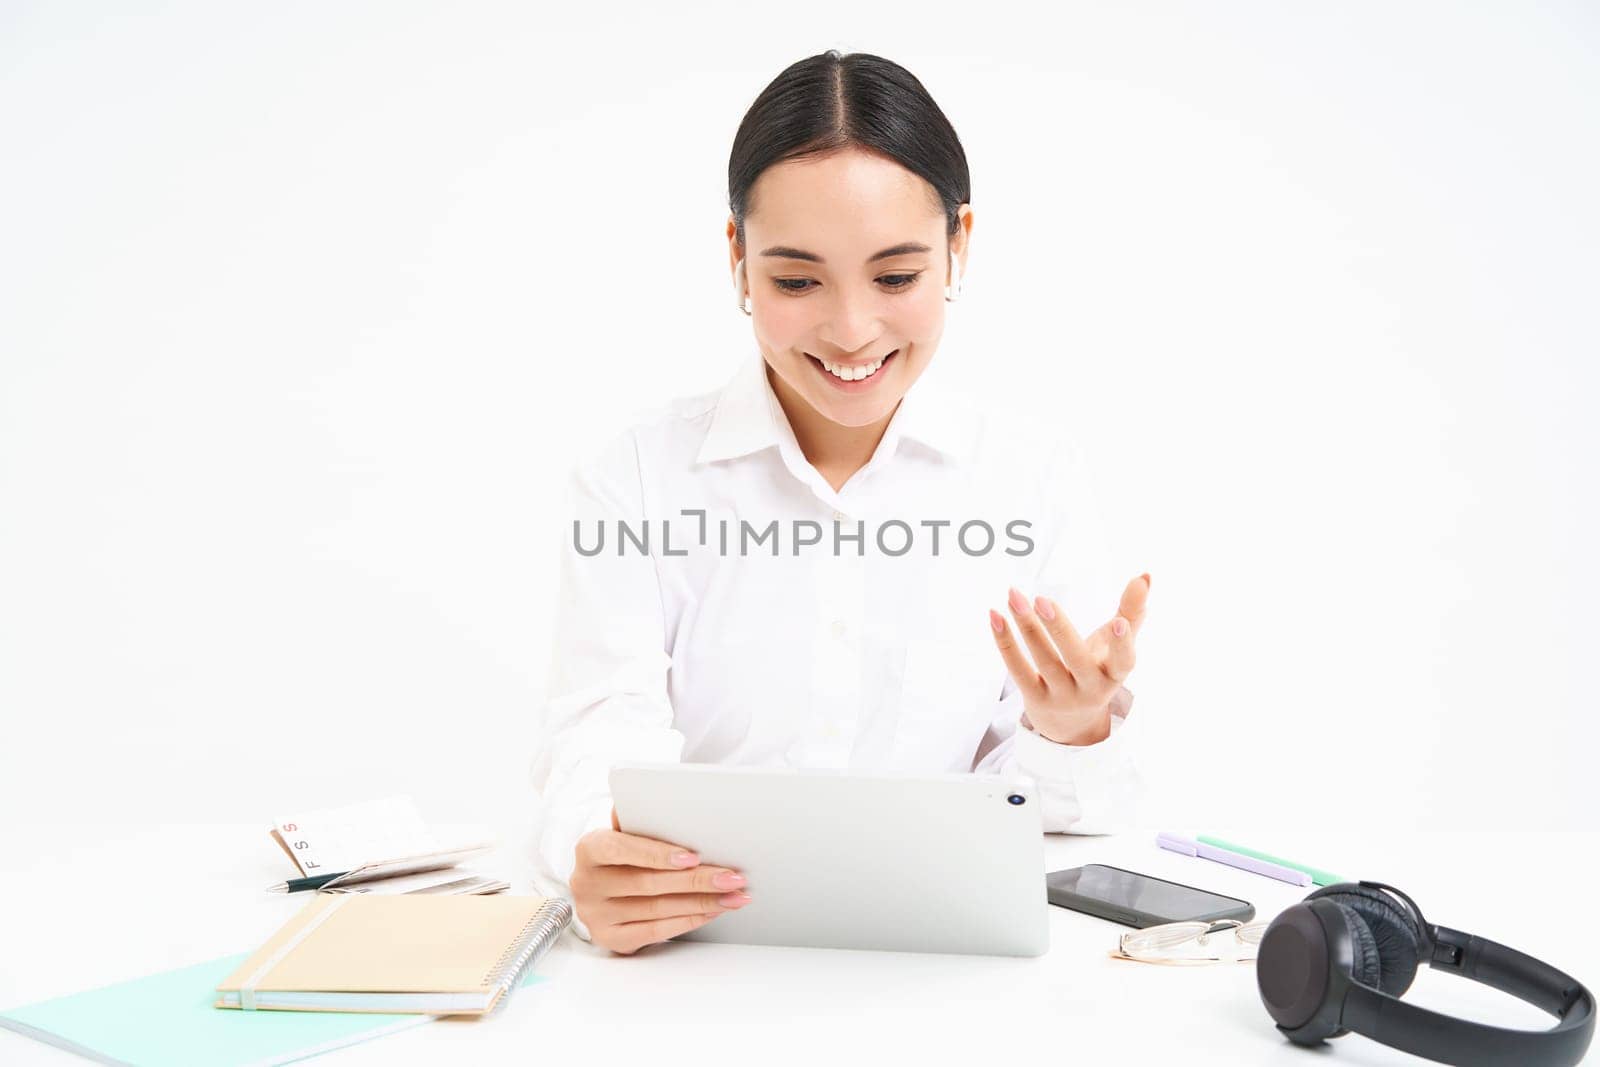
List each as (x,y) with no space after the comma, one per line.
(853,324)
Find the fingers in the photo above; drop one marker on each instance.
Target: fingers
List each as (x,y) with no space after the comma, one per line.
(1133,598)
(628,902)
(1120,631)
(614,847)
(620,911)
(1045,654)
(631,937)
(1080,660)
(1022,673)
(1118,663)
(641,881)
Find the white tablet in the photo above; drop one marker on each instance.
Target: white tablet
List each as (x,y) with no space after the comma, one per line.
(835,859)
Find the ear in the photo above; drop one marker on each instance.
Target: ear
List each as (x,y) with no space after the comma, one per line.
(961,243)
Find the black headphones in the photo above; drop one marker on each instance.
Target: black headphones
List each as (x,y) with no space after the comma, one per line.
(1339,960)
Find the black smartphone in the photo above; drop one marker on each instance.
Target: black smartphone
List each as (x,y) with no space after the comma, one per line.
(1135,899)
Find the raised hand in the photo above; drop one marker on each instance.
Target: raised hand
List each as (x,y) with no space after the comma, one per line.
(1067,696)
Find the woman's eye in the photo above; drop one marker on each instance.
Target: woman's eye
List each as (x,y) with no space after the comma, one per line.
(892,282)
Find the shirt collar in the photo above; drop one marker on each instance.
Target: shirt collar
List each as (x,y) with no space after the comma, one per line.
(748,417)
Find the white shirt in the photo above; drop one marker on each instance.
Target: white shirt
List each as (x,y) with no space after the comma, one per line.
(864,659)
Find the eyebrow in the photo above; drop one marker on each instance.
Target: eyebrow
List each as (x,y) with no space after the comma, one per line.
(905,248)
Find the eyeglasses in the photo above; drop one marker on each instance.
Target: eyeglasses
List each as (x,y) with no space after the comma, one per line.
(1190,943)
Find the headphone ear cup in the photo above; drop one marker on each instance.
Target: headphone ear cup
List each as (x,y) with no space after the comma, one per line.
(1295,967)
(1393,931)
(1364,967)
(1292,974)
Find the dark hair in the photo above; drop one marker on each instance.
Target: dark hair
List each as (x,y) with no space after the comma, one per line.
(831,102)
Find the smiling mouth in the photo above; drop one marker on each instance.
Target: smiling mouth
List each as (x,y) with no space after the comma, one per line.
(848,374)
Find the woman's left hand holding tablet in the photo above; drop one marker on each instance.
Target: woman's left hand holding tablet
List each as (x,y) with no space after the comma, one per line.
(1067,697)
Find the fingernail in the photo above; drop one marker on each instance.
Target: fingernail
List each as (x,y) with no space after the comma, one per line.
(734,900)
(1047,610)
(997,621)
(1019,603)
(1146,578)
(728,880)
(1118,626)
(685,859)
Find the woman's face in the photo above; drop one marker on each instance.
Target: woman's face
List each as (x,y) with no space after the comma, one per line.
(821,292)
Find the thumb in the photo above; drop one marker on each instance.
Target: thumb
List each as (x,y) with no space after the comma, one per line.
(1119,651)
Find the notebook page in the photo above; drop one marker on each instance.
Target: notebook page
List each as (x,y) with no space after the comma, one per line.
(340,839)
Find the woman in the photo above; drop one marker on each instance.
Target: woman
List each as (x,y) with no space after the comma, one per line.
(788,572)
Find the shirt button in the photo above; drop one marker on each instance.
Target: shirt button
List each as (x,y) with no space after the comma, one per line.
(839,628)
(830,731)
(838,516)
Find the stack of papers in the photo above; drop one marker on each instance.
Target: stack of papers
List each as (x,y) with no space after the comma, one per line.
(380,846)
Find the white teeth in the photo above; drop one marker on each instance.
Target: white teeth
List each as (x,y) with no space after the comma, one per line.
(853,374)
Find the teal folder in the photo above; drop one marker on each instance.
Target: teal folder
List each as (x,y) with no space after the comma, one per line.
(167,1020)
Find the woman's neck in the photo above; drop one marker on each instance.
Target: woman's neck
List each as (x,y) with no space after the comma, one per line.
(836,452)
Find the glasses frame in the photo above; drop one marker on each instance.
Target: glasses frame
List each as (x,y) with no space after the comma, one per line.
(1154,944)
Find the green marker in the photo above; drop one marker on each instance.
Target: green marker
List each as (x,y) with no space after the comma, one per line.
(1318,877)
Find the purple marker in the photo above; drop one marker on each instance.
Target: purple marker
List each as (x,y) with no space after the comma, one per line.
(1188,846)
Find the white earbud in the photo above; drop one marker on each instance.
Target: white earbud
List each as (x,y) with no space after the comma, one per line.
(738,288)
(952,292)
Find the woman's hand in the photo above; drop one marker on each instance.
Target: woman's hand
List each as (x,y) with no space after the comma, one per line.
(1068,698)
(633,891)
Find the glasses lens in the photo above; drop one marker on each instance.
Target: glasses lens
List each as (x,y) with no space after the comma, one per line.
(1194,942)
(1154,940)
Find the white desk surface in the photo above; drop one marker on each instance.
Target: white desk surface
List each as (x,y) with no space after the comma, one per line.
(76,916)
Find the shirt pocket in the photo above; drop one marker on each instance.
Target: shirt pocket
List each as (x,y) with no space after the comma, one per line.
(949,689)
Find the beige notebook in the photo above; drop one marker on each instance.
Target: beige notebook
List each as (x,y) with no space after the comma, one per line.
(438,955)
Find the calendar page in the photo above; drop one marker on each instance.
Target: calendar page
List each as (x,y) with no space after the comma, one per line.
(341,839)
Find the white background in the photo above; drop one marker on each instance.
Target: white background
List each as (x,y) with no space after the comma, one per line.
(306,310)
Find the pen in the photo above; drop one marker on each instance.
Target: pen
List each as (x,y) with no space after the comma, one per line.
(295,885)
(1320,877)
(1190,847)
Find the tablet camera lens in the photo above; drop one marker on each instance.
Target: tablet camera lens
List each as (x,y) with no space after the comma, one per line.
(1017,798)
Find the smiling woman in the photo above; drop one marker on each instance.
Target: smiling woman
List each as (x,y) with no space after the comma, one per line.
(849,226)
(848,234)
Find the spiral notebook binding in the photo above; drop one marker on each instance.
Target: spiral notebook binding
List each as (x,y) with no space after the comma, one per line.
(537,935)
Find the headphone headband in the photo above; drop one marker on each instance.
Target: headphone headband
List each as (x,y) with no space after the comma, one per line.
(1447,1039)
